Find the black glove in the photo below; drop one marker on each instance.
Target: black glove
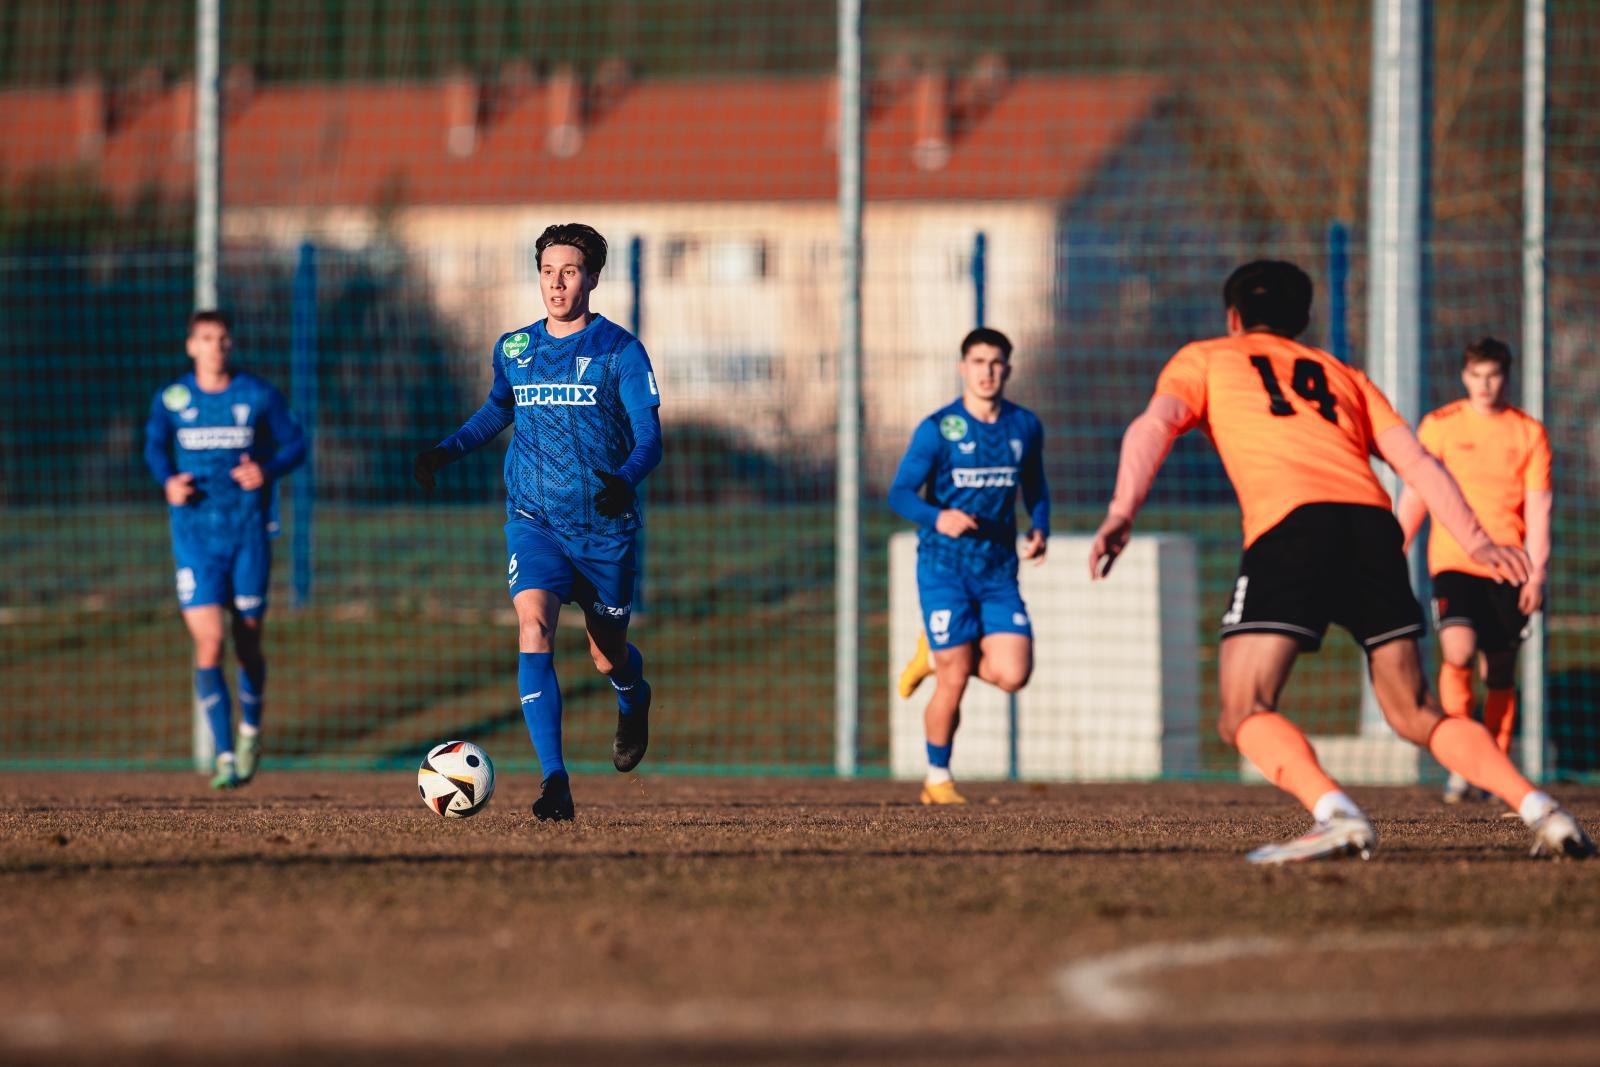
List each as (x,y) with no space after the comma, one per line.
(427,463)
(615,497)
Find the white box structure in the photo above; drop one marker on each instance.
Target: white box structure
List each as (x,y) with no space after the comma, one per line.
(1115,687)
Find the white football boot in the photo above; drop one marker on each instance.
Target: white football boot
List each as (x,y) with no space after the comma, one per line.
(1557,835)
(1341,835)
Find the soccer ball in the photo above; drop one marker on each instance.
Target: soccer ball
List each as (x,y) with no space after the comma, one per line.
(456,779)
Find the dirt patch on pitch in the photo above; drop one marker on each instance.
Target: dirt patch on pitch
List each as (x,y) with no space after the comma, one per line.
(333,918)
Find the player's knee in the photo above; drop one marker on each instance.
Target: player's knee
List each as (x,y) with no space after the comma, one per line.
(208,652)
(602,662)
(535,634)
(1012,679)
(951,680)
(1232,717)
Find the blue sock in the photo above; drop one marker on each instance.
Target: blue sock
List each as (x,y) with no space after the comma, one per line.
(939,755)
(541,707)
(252,684)
(212,690)
(628,681)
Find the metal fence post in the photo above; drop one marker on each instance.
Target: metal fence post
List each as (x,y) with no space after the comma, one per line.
(847,567)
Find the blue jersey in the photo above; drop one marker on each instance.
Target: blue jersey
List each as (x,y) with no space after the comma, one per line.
(956,461)
(207,435)
(577,404)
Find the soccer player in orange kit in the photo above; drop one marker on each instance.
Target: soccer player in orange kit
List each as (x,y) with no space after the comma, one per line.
(1501,459)
(1295,428)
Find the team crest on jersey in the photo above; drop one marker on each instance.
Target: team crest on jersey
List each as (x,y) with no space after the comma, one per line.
(583,365)
(953,427)
(514,345)
(175,397)
(1016,450)
(241,414)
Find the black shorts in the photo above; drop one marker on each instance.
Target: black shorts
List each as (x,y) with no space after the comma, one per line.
(1325,563)
(1488,606)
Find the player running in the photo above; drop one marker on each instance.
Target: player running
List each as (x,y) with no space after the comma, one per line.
(967,460)
(582,397)
(1501,459)
(1294,428)
(217,441)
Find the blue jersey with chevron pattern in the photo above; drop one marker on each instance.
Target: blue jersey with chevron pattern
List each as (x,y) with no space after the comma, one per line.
(568,400)
(190,431)
(956,461)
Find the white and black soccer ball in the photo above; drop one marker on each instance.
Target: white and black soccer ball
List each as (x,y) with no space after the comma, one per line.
(456,779)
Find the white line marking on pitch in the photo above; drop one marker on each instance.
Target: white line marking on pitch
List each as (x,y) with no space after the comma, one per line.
(1107,987)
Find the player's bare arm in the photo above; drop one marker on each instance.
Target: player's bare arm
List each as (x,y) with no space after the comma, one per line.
(1401,450)
(1410,511)
(1145,446)
(1537,506)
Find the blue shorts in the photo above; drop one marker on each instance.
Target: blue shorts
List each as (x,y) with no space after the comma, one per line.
(596,572)
(233,572)
(958,608)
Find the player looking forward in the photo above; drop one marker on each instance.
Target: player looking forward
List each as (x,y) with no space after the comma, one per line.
(582,397)
(1501,459)
(1294,428)
(967,460)
(217,441)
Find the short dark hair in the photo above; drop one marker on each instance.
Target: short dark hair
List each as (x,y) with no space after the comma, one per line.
(985,336)
(211,315)
(585,239)
(1487,350)
(1270,294)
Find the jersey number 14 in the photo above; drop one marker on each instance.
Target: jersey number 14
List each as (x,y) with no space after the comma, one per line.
(1309,380)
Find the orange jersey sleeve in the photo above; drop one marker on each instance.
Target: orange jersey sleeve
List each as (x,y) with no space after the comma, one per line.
(1496,459)
(1184,377)
(1292,424)
(1536,479)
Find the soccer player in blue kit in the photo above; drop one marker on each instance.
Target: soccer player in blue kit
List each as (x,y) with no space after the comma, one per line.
(958,482)
(217,441)
(583,399)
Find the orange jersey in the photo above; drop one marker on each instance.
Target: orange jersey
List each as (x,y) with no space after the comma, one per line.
(1293,425)
(1497,460)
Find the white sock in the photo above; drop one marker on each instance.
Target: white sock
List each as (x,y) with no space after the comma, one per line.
(1535,806)
(938,775)
(246,730)
(1335,803)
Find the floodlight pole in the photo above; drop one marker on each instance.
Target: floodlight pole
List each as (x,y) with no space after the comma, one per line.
(1397,341)
(1534,340)
(847,568)
(207,211)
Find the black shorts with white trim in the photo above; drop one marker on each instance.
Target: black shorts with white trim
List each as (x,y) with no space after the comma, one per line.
(1489,607)
(1327,563)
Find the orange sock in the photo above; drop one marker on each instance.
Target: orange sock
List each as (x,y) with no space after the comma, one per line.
(1281,752)
(1455,690)
(1500,715)
(1465,747)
